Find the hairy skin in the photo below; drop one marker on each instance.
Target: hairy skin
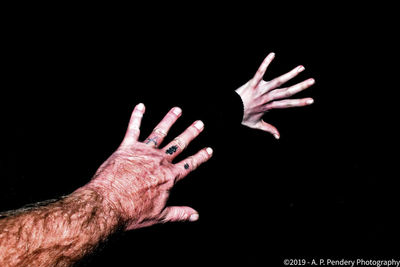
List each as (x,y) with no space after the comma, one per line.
(128,191)
(57,234)
(131,188)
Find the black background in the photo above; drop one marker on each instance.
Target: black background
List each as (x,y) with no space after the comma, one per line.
(326,189)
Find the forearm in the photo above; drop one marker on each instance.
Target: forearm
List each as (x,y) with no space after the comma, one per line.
(57,234)
(129,191)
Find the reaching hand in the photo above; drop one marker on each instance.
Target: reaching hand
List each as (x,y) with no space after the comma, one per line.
(260,96)
(137,178)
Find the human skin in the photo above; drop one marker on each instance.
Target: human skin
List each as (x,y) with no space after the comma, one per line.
(259,96)
(128,191)
(131,188)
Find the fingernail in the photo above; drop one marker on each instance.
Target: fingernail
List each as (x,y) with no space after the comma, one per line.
(271,55)
(276,136)
(310,101)
(300,68)
(194,217)
(199,125)
(311,81)
(140,107)
(177,111)
(209,150)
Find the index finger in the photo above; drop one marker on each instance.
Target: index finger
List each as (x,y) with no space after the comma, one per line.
(133,131)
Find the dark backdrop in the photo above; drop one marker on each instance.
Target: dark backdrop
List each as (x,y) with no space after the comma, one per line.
(325,189)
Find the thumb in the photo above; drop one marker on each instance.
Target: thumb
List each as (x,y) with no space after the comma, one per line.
(179,214)
(266,127)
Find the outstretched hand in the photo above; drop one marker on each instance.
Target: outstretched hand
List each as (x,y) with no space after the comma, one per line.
(137,178)
(260,96)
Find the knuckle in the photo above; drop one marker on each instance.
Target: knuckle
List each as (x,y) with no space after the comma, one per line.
(193,131)
(181,215)
(137,113)
(304,85)
(288,93)
(288,104)
(275,83)
(160,131)
(193,163)
(269,97)
(204,156)
(135,130)
(179,143)
(267,107)
(178,174)
(170,118)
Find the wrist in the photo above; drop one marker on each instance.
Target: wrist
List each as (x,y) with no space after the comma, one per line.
(244,96)
(97,196)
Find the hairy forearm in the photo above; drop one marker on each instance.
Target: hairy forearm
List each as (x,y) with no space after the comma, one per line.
(129,191)
(56,234)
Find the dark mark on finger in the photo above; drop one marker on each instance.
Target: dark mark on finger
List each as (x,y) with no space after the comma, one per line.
(154,140)
(171,150)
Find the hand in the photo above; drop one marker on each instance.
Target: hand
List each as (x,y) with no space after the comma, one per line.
(260,96)
(137,178)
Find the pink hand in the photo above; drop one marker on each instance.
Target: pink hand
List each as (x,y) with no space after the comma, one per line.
(137,178)
(260,96)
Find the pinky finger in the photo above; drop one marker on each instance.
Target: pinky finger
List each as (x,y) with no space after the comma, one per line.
(179,214)
(191,163)
(289,103)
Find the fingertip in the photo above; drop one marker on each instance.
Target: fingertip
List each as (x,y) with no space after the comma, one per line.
(277,136)
(310,101)
(209,151)
(177,111)
(270,56)
(300,68)
(194,217)
(199,125)
(140,107)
